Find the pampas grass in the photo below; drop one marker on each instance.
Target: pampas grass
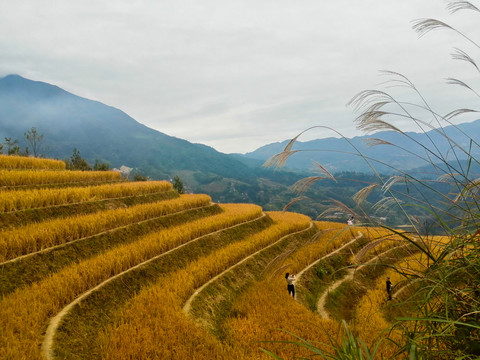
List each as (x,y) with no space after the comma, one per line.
(445,319)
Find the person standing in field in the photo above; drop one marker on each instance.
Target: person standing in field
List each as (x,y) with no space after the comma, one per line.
(350,221)
(389,288)
(290,284)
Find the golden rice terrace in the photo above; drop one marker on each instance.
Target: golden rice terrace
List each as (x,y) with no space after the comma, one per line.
(95,267)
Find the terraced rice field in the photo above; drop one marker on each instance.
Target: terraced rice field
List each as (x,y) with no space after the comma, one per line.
(93,267)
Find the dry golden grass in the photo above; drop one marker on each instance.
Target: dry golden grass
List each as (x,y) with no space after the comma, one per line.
(266,308)
(327,240)
(47,177)
(38,236)
(16,200)
(25,312)
(156,313)
(369,321)
(22,162)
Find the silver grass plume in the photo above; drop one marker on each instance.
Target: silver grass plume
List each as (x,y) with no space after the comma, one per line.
(293,201)
(289,146)
(324,171)
(370,246)
(366,98)
(385,203)
(472,189)
(370,142)
(395,179)
(370,103)
(458,112)
(414,219)
(446,178)
(462,55)
(453,81)
(337,206)
(454,6)
(372,121)
(397,78)
(304,184)
(424,26)
(362,194)
(279,160)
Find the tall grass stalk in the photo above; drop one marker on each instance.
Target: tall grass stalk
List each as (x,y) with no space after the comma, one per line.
(444,322)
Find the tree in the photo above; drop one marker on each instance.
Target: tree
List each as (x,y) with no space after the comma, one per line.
(76,162)
(178,185)
(12,146)
(139,177)
(100,166)
(35,140)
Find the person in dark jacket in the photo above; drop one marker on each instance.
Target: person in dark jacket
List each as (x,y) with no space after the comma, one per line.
(389,288)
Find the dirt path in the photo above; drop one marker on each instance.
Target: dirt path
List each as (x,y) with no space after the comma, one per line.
(188,303)
(348,277)
(358,237)
(323,299)
(47,344)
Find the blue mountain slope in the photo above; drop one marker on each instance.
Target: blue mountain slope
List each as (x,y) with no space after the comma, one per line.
(101,132)
(406,152)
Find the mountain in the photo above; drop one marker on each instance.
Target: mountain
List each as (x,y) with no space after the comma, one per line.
(102,132)
(108,134)
(408,152)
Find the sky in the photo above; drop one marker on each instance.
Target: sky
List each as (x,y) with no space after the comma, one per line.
(237,75)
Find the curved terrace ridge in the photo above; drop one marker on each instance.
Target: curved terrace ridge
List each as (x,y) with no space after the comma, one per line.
(48,341)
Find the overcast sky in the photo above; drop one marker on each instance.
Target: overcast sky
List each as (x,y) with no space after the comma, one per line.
(234,75)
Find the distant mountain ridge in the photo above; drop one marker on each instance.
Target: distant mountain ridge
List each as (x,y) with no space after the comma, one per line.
(406,153)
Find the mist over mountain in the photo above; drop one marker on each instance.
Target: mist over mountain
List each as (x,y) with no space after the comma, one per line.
(104,133)
(101,132)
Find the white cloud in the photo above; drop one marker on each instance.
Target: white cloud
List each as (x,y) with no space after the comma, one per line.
(231,74)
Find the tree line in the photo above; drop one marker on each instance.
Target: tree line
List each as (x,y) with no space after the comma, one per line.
(35,147)
(33,138)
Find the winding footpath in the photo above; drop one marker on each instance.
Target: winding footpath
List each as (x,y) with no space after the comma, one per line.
(321,302)
(358,237)
(188,303)
(348,277)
